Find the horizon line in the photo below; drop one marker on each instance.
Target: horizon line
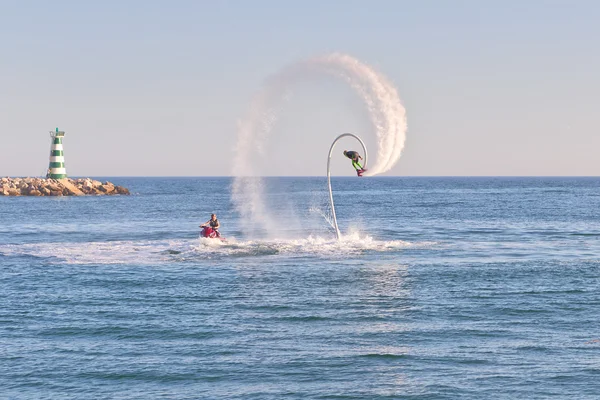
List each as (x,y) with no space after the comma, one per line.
(309,176)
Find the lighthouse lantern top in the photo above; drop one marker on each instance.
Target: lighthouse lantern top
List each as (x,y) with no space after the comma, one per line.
(58,133)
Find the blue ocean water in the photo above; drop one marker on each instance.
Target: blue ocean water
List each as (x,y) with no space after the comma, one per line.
(440,288)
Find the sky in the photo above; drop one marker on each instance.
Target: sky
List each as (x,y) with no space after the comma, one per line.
(158,88)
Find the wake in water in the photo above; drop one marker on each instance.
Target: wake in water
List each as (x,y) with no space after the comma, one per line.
(159,252)
(380,97)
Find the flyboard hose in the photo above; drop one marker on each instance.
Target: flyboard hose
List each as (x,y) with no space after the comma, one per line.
(337,230)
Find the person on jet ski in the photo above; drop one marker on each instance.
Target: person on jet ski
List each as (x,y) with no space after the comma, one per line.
(354,156)
(214,223)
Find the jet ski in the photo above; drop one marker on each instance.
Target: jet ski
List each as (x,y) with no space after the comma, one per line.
(210,233)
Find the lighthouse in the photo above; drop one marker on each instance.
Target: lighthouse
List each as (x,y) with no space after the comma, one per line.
(56,169)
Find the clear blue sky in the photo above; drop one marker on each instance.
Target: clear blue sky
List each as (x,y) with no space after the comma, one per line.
(157,87)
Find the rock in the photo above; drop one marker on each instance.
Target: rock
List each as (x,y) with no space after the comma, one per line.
(55,193)
(122,190)
(34,192)
(53,187)
(14,192)
(70,188)
(107,188)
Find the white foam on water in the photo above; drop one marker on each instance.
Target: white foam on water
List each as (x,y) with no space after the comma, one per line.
(158,252)
(311,246)
(116,252)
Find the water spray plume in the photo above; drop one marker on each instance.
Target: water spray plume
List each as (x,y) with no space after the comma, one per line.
(386,113)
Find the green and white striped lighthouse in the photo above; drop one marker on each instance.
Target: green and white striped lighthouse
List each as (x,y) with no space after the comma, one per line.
(56,169)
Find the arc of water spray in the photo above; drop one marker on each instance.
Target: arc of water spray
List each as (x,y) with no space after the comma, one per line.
(335,224)
(380,97)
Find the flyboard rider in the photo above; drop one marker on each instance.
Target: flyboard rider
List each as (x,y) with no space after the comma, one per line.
(354,156)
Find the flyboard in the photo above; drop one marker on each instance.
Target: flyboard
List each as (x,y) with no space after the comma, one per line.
(337,230)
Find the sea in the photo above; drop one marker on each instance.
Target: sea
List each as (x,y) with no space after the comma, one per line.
(437,288)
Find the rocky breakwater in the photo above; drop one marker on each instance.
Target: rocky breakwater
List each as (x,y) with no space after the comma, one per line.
(58,187)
